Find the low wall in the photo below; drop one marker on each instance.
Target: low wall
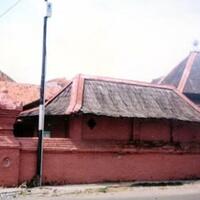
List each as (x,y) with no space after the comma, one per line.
(103,166)
(9,161)
(67,161)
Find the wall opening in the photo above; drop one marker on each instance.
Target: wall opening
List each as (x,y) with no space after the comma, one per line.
(91,123)
(55,127)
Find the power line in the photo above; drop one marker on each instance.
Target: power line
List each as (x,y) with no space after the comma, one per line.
(10,8)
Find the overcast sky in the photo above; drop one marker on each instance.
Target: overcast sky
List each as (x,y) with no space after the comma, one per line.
(132,39)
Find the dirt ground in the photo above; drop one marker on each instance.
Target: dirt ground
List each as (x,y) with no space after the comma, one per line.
(153,188)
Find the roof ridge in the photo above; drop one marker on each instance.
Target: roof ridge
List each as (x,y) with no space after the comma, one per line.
(126,81)
(186,71)
(187,100)
(77,94)
(58,93)
(174,68)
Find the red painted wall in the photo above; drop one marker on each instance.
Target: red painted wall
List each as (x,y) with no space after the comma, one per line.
(9,149)
(28,159)
(9,166)
(104,153)
(99,167)
(72,164)
(75,127)
(107,128)
(186,132)
(154,130)
(69,164)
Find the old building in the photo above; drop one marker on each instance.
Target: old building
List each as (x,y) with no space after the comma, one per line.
(104,129)
(25,93)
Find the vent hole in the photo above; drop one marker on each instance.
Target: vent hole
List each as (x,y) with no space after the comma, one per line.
(91,123)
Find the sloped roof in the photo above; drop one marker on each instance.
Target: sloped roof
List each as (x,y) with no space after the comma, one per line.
(5,77)
(58,82)
(25,93)
(119,98)
(7,103)
(185,76)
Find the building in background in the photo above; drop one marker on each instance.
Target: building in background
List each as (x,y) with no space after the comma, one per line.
(25,93)
(185,77)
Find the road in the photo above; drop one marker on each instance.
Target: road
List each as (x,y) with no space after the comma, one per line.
(119,196)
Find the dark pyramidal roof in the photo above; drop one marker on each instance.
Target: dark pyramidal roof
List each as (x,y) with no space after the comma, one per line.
(186,75)
(119,98)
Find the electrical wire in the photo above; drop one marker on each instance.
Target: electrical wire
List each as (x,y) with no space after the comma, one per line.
(10,8)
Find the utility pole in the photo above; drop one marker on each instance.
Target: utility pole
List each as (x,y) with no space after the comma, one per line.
(42,99)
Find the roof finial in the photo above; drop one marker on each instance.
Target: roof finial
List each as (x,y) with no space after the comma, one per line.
(195,45)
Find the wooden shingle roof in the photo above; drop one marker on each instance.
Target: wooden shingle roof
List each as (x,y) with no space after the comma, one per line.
(119,98)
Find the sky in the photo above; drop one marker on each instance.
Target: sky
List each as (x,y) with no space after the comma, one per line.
(130,39)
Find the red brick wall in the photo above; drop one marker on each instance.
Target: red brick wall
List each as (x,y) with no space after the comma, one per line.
(28,158)
(83,160)
(183,132)
(75,127)
(9,149)
(107,128)
(85,165)
(138,129)
(7,120)
(9,166)
(99,167)
(67,162)
(154,130)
